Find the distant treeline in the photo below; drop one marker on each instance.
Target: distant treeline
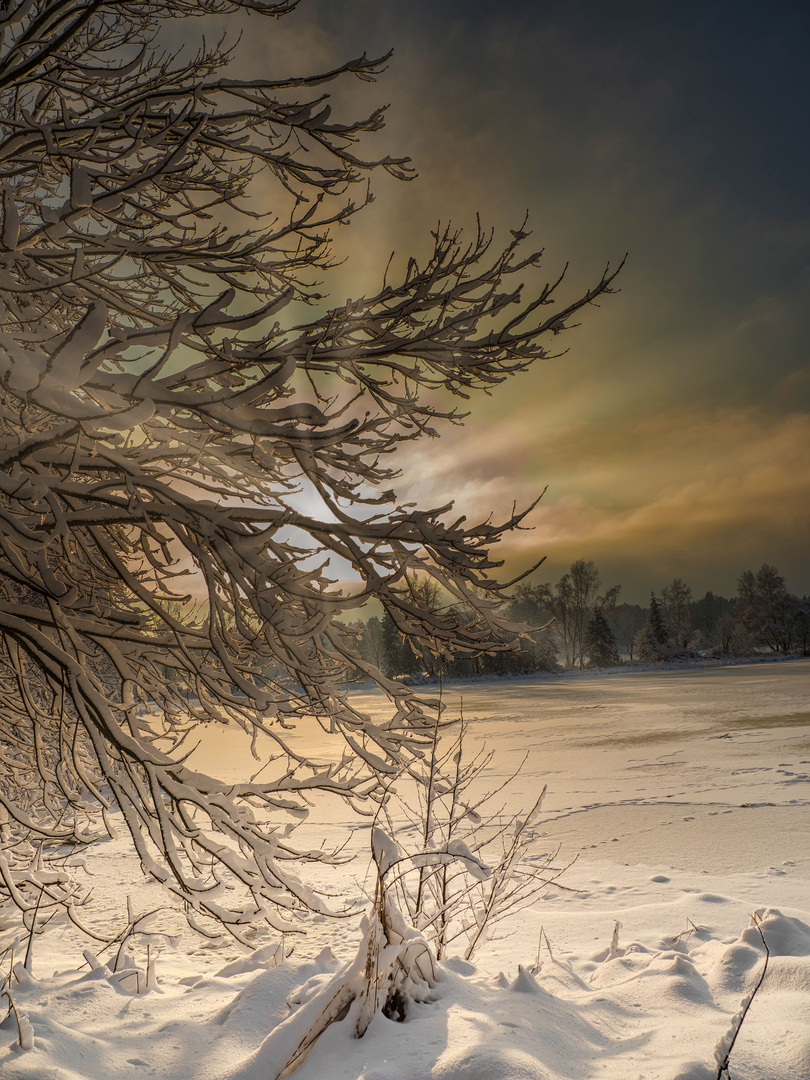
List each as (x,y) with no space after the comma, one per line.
(575,623)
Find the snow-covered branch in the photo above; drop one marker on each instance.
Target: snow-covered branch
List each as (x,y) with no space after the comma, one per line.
(163,433)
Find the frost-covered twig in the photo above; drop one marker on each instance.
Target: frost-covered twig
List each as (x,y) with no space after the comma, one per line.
(536,968)
(722,1051)
(29,947)
(25,1032)
(690,929)
(473,870)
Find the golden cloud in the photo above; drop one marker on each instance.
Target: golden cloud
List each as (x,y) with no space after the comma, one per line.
(728,485)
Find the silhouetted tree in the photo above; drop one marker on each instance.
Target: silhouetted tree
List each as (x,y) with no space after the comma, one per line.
(571,603)
(626,620)
(731,636)
(765,608)
(372,647)
(537,650)
(652,643)
(801,626)
(600,641)
(676,599)
(706,613)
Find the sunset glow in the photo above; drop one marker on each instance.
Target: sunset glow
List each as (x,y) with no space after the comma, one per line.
(673,435)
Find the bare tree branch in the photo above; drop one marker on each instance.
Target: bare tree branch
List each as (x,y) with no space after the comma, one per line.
(161,433)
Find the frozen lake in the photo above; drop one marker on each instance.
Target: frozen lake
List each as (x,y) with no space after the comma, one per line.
(683,796)
(704,768)
(667,768)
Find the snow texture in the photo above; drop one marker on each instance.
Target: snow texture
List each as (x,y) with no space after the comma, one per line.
(686,794)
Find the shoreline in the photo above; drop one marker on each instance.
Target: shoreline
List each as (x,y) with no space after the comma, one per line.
(579,673)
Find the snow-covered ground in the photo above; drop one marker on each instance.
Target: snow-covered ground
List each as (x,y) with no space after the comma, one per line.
(684,797)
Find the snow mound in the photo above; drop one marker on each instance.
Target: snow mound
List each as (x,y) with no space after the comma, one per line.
(642,1010)
(496,1064)
(785,937)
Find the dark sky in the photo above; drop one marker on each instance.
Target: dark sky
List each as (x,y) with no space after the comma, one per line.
(674,436)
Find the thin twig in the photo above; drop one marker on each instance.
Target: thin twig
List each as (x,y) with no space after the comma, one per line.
(722,1066)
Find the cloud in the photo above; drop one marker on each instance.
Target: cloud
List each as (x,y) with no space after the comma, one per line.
(674,436)
(707,495)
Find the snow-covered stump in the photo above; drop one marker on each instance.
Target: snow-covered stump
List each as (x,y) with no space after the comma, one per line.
(393,967)
(400,966)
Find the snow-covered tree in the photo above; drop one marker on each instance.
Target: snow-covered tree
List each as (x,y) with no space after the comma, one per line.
(571,603)
(171,423)
(706,614)
(766,608)
(371,642)
(677,599)
(652,642)
(536,646)
(731,635)
(600,641)
(625,621)
(801,625)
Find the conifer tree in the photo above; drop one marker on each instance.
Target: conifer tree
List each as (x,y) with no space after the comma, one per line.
(658,627)
(653,641)
(600,641)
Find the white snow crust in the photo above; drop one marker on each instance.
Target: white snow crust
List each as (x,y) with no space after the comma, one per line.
(683,796)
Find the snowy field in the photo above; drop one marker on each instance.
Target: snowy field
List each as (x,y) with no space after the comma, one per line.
(683,796)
